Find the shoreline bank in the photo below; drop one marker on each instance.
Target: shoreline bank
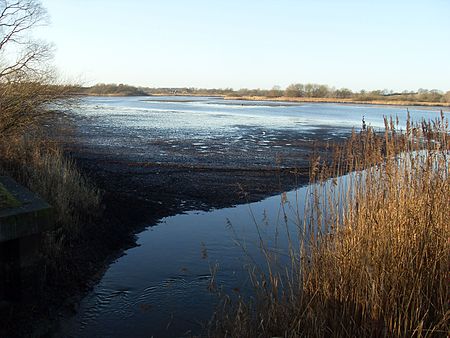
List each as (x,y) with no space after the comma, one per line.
(135,196)
(288,99)
(338,101)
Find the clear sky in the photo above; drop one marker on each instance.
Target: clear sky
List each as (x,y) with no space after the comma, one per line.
(371,44)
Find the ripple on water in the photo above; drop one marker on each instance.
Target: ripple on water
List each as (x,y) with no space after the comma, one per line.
(106,300)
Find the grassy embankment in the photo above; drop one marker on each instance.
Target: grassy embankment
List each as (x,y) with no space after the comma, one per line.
(380,267)
(30,94)
(29,157)
(41,165)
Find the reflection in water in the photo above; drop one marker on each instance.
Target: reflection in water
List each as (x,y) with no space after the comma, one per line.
(162,287)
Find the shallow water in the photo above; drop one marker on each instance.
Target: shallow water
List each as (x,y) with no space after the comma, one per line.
(217,132)
(160,288)
(204,114)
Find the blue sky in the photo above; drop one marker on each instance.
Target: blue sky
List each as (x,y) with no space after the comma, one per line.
(380,44)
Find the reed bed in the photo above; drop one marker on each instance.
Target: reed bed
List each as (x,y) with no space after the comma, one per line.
(373,249)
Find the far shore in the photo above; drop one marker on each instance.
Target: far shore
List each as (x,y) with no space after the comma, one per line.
(317,100)
(336,100)
(289,99)
(110,95)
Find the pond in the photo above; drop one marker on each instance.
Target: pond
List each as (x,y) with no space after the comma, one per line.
(162,287)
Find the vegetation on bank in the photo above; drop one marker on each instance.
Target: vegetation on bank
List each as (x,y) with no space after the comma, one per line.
(295,92)
(309,92)
(111,89)
(41,165)
(324,93)
(340,101)
(379,266)
(30,99)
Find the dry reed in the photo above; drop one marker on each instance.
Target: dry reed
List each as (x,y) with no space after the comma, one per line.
(378,263)
(42,166)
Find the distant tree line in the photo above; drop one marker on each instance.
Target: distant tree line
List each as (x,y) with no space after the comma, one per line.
(296,90)
(111,89)
(422,95)
(190,91)
(312,90)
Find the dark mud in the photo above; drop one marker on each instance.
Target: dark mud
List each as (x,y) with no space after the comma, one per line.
(148,173)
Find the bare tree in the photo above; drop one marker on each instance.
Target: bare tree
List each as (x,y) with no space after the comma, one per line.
(27,82)
(446,97)
(20,56)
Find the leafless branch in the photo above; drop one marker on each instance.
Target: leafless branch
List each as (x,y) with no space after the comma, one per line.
(27,86)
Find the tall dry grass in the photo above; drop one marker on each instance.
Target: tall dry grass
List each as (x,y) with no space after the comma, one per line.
(378,265)
(42,166)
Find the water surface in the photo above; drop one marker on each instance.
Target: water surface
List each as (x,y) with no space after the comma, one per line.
(216,132)
(161,287)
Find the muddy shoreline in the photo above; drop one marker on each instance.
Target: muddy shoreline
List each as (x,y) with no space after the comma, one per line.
(146,179)
(135,196)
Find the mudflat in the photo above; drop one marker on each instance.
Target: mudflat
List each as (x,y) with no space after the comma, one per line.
(141,190)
